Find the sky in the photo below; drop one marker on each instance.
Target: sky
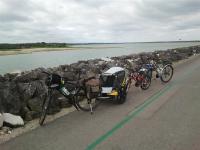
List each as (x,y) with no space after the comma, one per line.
(87,21)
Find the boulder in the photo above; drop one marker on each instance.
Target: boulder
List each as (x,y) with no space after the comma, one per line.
(11,120)
(53,109)
(11,76)
(10,98)
(41,88)
(1,120)
(26,90)
(24,110)
(81,65)
(106,59)
(69,75)
(63,102)
(5,130)
(35,104)
(31,115)
(1,103)
(33,89)
(101,62)
(28,76)
(2,79)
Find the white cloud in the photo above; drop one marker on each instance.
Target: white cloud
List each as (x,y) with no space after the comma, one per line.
(99,20)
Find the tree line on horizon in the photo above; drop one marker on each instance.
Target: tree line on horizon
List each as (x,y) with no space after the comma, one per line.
(6,46)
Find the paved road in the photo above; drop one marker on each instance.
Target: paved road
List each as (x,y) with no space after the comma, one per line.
(165,117)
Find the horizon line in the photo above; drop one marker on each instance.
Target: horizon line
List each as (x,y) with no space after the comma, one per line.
(102,42)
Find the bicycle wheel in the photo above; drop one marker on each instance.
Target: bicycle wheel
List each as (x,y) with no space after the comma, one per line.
(86,101)
(122,96)
(146,82)
(167,73)
(44,109)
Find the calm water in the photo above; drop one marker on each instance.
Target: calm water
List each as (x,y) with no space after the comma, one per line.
(84,52)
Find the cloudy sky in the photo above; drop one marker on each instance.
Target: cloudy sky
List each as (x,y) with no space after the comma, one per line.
(98,20)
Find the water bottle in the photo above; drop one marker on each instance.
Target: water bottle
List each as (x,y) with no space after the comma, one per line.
(65,91)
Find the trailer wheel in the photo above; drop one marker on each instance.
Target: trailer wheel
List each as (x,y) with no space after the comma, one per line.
(122,95)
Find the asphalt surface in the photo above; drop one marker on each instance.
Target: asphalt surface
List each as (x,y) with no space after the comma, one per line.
(164,117)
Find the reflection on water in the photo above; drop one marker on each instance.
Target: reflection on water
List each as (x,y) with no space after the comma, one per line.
(84,52)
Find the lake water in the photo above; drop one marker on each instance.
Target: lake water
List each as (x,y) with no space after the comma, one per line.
(21,62)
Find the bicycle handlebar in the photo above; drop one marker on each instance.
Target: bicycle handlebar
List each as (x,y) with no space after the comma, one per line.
(68,80)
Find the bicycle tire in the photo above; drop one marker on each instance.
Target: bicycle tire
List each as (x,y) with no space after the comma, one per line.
(122,96)
(145,86)
(172,71)
(44,109)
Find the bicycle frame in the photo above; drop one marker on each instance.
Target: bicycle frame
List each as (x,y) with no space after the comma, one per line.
(56,82)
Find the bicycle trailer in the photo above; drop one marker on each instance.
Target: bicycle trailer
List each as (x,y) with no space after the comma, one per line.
(113,84)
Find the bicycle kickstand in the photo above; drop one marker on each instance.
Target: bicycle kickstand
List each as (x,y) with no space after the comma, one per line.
(91,110)
(74,104)
(77,108)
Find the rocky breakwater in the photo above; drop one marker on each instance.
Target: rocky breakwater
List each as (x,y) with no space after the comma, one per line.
(22,93)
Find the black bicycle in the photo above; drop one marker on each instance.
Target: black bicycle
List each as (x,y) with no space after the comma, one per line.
(79,95)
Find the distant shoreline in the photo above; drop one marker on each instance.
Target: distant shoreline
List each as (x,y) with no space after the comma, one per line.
(32,50)
(134,42)
(35,50)
(71,46)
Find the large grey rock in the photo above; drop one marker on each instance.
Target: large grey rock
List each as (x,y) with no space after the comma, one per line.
(69,75)
(29,76)
(11,120)
(31,115)
(5,130)
(2,79)
(1,120)
(11,76)
(106,59)
(10,98)
(26,90)
(63,102)
(101,62)
(41,88)
(35,104)
(32,89)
